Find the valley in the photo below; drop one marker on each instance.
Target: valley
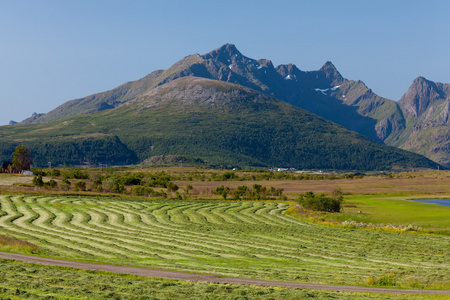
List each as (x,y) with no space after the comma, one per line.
(263,239)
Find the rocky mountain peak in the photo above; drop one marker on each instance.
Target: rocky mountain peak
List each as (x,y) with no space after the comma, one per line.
(420,95)
(327,76)
(224,53)
(330,72)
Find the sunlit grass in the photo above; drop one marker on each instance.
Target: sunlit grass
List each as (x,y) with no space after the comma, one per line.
(226,238)
(9,244)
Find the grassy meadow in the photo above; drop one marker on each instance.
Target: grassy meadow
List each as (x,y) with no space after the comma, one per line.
(397,210)
(28,281)
(226,238)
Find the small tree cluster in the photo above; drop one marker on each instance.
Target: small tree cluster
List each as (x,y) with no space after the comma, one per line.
(39,182)
(258,192)
(147,192)
(322,203)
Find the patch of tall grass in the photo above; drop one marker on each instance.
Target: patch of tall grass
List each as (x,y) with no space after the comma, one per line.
(14,245)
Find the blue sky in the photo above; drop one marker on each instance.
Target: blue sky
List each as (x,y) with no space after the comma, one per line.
(52,51)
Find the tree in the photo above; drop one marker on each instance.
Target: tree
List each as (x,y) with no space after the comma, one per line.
(22,158)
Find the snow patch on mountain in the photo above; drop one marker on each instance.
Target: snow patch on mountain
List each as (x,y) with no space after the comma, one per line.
(324,91)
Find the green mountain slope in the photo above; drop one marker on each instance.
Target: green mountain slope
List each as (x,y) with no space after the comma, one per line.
(221,123)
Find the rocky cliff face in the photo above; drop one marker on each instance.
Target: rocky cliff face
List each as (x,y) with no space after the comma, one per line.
(421,95)
(426,106)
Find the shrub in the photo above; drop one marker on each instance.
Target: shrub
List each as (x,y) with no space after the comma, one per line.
(51,184)
(38,172)
(37,181)
(112,184)
(171,187)
(321,202)
(77,174)
(222,190)
(80,185)
(131,179)
(54,173)
(145,191)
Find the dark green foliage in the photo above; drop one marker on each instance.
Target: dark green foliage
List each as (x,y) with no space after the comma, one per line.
(54,173)
(38,171)
(22,158)
(171,187)
(147,192)
(37,180)
(322,203)
(51,184)
(76,174)
(258,192)
(80,185)
(222,190)
(131,179)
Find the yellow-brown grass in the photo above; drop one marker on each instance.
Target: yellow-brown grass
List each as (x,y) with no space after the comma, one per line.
(11,244)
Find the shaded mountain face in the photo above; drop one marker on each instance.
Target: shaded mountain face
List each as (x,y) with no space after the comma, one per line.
(220,123)
(324,92)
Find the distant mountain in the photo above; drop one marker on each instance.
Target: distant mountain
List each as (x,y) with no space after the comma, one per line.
(219,123)
(426,107)
(313,91)
(324,92)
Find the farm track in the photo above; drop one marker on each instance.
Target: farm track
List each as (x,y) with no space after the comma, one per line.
(233,239)
(207,278)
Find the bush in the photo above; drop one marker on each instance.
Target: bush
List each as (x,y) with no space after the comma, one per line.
(37,181)
(77,174)
(112,184)
(321,202)
(131,179)
(51,184)
(54,173)
(171,187)
(38,172)
(146,192)
(80,185)
(222,190)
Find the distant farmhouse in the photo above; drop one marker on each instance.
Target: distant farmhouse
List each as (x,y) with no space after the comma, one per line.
(7,167)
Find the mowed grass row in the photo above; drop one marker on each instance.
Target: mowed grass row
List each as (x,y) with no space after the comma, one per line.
(238,239)
(20,280)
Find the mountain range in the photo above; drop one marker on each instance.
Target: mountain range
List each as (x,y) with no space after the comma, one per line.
(418,122)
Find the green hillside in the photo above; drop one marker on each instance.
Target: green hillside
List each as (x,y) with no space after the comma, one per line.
(224,124)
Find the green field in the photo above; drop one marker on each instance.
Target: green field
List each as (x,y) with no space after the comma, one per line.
(396,210)
(27,281)
(227,238)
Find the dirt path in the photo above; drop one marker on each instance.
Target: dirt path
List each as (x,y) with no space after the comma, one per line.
(207,278)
